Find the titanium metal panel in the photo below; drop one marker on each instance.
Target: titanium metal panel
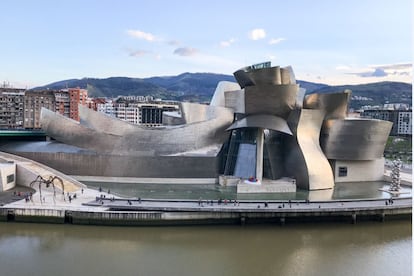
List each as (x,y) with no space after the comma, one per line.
(110,135)
(305,159)
(355,139)
(243,78)
(266,76)
(262,121)
(334,104)
(235,100)
(278,100)
(218,98)
(111,165)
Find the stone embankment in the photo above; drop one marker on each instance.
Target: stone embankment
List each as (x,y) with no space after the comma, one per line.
(177,212)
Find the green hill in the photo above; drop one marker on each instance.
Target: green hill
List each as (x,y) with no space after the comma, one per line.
(199,87)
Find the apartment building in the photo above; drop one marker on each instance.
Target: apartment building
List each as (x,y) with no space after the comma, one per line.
(33,103)
(139,113)
(11,108)
(76,96)
(62,101)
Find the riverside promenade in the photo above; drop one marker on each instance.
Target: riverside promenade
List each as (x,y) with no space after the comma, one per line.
(82,205)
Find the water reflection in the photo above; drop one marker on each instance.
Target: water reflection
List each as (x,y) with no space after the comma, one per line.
(322,249)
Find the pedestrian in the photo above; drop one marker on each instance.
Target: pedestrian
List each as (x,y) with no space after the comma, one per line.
(109,191)
(82,190)
(100,189)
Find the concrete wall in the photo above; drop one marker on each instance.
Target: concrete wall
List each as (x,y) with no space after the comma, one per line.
(358,171)
(24,176)
(7,176)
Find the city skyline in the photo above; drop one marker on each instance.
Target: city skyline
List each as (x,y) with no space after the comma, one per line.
(327,42)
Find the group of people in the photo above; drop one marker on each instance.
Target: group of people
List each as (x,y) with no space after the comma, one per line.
(389,201)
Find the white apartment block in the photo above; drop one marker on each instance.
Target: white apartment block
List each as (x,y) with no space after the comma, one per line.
(141,113)
(404,123)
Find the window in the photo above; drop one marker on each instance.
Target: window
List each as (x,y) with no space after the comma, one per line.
(342,171)
(10,178)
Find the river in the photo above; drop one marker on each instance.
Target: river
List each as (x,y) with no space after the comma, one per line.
(367,248)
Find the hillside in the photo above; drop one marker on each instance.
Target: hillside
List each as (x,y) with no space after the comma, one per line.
(199,87)
(374,93)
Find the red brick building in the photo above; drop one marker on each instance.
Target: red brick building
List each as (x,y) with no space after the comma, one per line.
(77,96)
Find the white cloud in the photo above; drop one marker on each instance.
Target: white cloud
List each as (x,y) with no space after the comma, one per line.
(276,40)
(141,35)
(227,43)
(396,66)
(257,34)
(185,51)
(137,53)
(387,70)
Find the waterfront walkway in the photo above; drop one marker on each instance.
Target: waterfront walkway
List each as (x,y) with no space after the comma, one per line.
(249,206)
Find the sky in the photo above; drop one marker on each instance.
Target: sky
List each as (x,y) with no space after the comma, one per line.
(331,42)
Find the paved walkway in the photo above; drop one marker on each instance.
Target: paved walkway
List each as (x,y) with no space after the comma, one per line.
(248,206)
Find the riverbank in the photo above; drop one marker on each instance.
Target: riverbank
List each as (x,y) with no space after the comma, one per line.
(80,204)
(116,211)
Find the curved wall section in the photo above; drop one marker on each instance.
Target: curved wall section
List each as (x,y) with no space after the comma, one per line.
(243,78)
(103,135)
(262,121)
(307,162)
(276,100)
(355,139)
(218,96)
(266,76)
(334,104)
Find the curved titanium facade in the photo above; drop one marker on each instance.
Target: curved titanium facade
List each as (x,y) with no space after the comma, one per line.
(278,100)
(104,134)
(243,78)
(305,158)
(264,76)
(262,121)
(355,139)
(334,104)
(218,98)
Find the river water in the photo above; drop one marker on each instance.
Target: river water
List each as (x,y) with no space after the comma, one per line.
(367,248)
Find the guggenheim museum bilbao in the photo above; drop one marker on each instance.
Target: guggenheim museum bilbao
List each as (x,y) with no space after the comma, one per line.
(261,128)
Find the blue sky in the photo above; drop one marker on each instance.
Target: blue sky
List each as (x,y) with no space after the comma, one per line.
(333,42)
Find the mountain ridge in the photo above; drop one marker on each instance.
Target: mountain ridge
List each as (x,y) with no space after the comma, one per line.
(199,87)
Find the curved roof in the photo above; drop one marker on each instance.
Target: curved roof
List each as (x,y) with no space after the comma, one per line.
(262,121)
